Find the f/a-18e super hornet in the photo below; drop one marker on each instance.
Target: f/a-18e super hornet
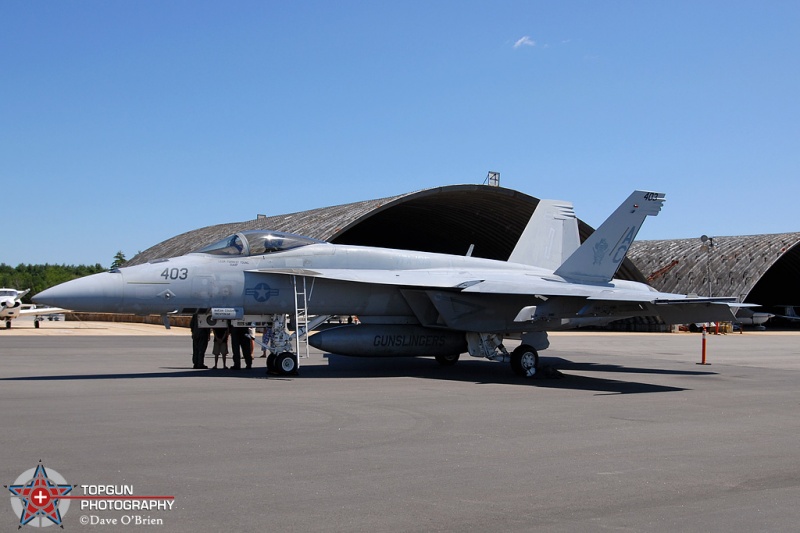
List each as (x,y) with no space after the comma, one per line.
(409,303)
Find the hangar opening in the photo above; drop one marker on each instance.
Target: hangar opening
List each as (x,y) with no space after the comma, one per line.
(447,220)
(778,288)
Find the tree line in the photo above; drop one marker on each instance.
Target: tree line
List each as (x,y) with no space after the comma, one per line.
(40,277)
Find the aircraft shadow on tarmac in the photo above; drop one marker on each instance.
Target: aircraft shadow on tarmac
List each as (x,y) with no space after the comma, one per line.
(566,365)
(483,372)
(478,372)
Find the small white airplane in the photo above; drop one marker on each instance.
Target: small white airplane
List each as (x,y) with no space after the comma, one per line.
(11,307)
(409,302)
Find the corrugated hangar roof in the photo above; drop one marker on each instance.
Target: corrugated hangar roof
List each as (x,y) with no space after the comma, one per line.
(760,269)
(443,219)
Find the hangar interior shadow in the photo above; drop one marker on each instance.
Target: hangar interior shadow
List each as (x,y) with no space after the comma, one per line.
(778,286)
(447,222)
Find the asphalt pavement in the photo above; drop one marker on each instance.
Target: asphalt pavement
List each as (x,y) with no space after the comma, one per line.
(636,436)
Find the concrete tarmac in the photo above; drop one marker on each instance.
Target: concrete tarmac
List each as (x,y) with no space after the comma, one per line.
(635,437)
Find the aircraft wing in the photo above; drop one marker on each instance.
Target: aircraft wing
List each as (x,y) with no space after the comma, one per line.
(427,279)
(33,310)
(499,282)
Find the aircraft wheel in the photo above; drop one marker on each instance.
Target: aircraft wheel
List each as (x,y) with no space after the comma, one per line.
(447,360)
(271,362)
(8,324)
(525,361)
(36,324)
(286,363)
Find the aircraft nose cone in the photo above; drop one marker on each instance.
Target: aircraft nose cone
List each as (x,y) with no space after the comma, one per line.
(99,293)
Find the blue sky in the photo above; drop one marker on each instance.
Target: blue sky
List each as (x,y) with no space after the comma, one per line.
(125,123)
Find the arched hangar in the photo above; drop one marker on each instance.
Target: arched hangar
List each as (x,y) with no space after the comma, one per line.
(443,219)
(761,269)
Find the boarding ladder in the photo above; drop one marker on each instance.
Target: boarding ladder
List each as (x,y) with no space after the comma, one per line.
(300,317)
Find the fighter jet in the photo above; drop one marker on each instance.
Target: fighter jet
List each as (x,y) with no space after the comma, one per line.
(11,307)
(409,303)
(748,317)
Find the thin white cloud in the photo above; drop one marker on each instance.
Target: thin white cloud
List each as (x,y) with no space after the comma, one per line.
(524,41)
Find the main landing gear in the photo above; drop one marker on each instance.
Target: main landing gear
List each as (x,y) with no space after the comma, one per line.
(283,364)
(525,361)
(281,360)
(285,347)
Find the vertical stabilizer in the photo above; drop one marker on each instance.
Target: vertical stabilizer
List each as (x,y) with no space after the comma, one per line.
(550,236)
(600,256)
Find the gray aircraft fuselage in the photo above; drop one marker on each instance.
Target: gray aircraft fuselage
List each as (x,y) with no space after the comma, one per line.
(398,286)
(200,281)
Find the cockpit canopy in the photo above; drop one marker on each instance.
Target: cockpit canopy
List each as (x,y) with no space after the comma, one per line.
(257,242)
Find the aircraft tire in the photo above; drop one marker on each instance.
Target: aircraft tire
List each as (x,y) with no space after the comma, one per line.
(525,361)
(447,360)
(36,324)
(8,324)
(286,364)
(271,362)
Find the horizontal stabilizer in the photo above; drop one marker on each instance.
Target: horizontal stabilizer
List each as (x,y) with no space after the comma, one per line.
(693,312)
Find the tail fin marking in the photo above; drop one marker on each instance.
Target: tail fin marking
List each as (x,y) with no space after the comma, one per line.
(600,256)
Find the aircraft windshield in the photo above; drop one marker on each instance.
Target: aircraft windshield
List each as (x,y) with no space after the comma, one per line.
(257,243)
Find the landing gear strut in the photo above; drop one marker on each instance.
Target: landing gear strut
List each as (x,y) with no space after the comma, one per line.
(282,359)
(524,359)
